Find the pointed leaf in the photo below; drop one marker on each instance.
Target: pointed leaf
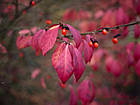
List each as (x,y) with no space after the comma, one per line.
(73,97)
(43,84)
(70,15)
(56,55)
(137,6)
(106,20)
(62,62)
(76,35)
(108,63)
(35,73)
(137,52)
(86,92)
(23,32)
(137,68)
(136,31)
(23,41)
(36,38)
(88,51)
(116,68)
(81,47)
(78,63)
(125,32)
(48,39)
(121,17)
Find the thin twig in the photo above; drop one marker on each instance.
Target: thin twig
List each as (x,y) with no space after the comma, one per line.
(7,26)
(108,28)
(111,28)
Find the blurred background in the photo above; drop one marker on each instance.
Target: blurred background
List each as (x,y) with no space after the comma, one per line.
(27,78)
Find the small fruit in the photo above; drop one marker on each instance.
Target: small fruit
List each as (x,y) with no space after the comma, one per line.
(48,22)
(115,40)
(33,3)
(104,32)
(96,45)
(90,43)
(64,31)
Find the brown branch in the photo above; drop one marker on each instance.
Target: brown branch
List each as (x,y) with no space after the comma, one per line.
(111,28)
(7,25)
(108,28)
(16,7)
(26,8)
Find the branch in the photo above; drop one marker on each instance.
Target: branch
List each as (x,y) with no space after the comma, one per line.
(26,8)
(16,7)
(111,28)
(7,26)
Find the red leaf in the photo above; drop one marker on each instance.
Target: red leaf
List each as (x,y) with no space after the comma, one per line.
(58,51)
(137,6)
(113,66)
(2,49)
(108,63)
(121,17)
(130,58)
(78,63)
(36,38)
(98,14)
(137,68)
(43,84)
(86,92)
(88,51)
(70,15)
(81,46)
(137,52)
(48,39)
(87,25)
(62,62)
(82,14)
(116,68)
(34,29)
(106,20)
(130,46)
(125,32)
(35,73)
(76,35)
(96,59)
(23,32)
(23,41)
(73,97)
(137,31)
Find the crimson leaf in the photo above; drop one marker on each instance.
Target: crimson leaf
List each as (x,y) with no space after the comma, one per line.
(78,63)
(36,38)
(86,92)
(76,35)
(73,97)
(62,62)
(48,39)
(23,41)
(88,51)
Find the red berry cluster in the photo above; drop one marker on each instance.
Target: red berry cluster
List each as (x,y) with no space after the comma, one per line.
(114,40)
(93,43)
(104,32)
